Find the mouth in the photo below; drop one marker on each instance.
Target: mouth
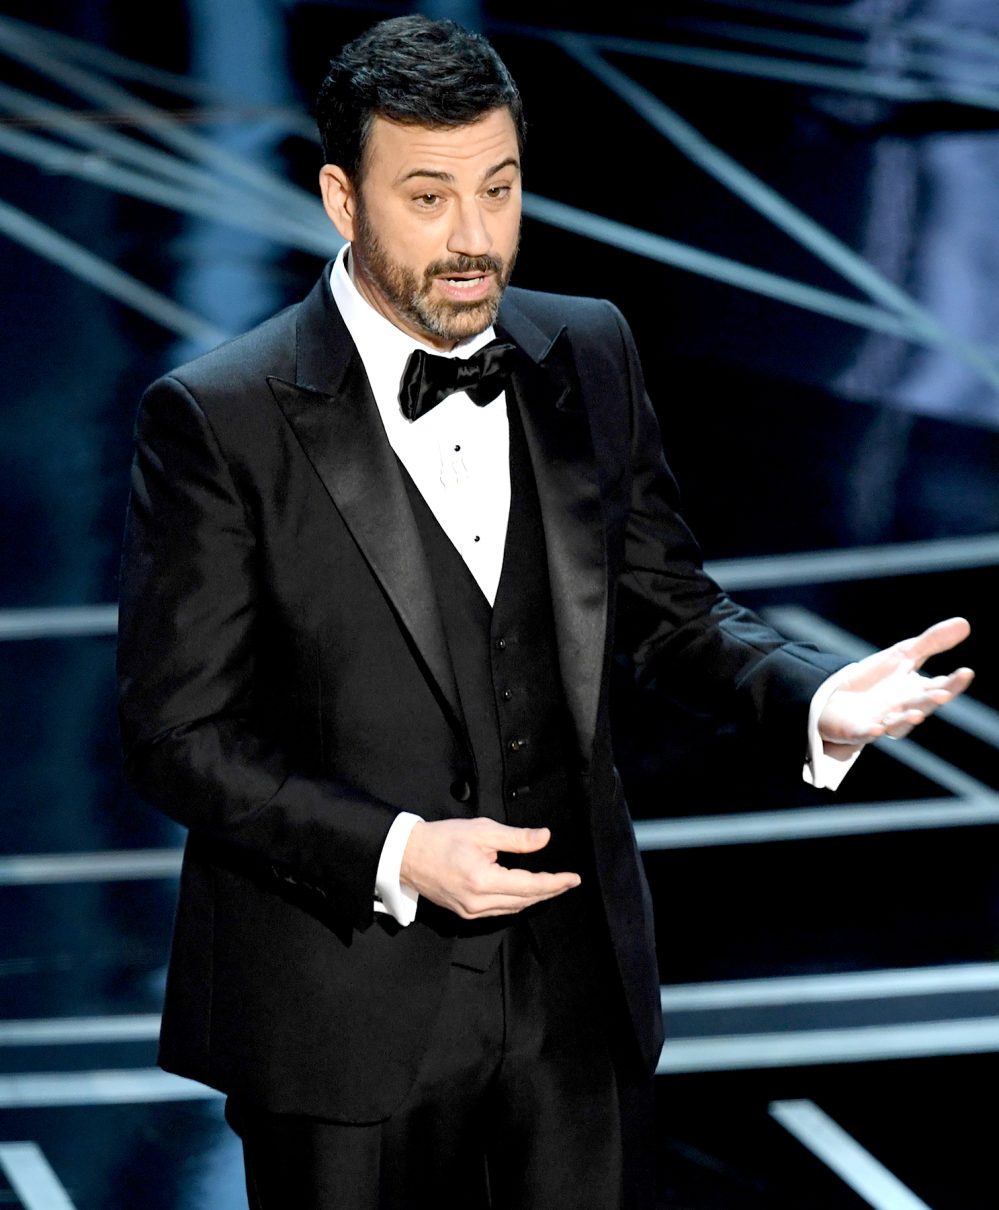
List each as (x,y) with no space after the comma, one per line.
(470,280)
(468,286)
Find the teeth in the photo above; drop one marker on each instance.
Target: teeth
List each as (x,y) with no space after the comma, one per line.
(464,282)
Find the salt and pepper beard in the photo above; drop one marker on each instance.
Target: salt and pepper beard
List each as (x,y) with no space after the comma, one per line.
(443,318)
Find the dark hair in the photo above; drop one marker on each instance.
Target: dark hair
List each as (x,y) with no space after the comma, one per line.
(412,70)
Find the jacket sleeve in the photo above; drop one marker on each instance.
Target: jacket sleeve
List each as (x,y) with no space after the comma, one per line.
(195,738)
(682,632)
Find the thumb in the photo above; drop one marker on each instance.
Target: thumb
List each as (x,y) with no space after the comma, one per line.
(519,840)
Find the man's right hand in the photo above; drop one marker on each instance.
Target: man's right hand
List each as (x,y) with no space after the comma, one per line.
(454,863)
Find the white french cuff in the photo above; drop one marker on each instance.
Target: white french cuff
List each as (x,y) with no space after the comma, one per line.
(391,897)
(821,770)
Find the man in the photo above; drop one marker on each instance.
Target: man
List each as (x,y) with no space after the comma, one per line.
(379,551)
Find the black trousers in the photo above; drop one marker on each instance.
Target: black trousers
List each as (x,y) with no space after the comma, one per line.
(518,1106)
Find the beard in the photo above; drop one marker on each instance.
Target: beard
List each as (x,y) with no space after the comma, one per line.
(411,296)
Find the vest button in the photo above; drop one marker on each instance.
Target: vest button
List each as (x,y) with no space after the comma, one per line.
(513,793)
(507,694)
(515,745)
(501,644)
(461,791)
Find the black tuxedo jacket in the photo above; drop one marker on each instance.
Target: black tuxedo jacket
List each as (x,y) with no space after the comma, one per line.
(286,687)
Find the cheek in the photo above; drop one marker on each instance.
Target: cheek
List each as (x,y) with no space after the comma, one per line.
(511,235)
(410,243)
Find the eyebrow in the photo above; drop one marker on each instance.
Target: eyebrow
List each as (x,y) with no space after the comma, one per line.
(448,178)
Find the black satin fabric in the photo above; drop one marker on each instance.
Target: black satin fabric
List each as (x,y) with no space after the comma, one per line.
(427,379)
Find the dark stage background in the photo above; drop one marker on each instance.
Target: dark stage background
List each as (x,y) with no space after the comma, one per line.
(795,205)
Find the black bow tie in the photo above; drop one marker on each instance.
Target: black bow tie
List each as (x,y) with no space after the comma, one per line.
(428,379)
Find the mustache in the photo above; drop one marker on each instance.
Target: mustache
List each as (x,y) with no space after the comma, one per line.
(464,264)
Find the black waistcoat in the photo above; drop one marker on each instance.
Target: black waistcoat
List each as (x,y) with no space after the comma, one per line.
(505,661)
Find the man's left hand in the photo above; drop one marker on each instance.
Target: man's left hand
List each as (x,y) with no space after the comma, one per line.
(885,694)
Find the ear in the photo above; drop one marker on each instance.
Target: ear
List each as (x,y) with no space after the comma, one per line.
(339,198)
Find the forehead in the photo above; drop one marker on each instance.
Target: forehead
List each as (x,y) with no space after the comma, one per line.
(396,150)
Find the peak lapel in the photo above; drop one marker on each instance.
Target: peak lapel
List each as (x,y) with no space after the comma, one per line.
(562,456)
(334,417)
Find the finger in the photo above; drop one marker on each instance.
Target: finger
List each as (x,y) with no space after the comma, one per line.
(507,896)
(501,905)
(504,839)
(526,884)
(934,692)
(959,681)
(940,637)
(900,722)
(927,702)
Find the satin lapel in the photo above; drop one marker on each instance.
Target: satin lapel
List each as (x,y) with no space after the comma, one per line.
(561,449)
(333,415)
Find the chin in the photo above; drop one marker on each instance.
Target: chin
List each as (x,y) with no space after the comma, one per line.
(460,323)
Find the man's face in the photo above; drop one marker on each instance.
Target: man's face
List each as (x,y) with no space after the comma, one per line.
(435,224)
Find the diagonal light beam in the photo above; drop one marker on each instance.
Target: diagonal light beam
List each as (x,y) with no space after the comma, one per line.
(868,53)
(773,206)
(977,42)
(153,120)
(818,75)
(266,221)
(839,1151)
(34,1183)
(79,130)
(719,268)
(856,563)
(120,67)
(113,64)
(45,242)
(203,182)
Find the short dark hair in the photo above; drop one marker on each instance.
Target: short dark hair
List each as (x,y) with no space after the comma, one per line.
(413,70)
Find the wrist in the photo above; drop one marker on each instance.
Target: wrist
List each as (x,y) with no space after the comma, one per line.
(410,856)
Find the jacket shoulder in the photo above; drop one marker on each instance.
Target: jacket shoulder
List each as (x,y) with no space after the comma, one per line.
(551,312)
(245,360)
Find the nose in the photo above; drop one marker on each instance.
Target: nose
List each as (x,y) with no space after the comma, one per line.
(469,234)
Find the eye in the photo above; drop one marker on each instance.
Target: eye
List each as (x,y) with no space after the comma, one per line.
(427,201)
(497,193)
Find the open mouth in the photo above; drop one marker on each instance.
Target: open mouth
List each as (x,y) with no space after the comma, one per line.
(466,281)
(470,286)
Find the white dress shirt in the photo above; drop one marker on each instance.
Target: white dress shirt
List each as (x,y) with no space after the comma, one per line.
(458,457)
(457,454)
